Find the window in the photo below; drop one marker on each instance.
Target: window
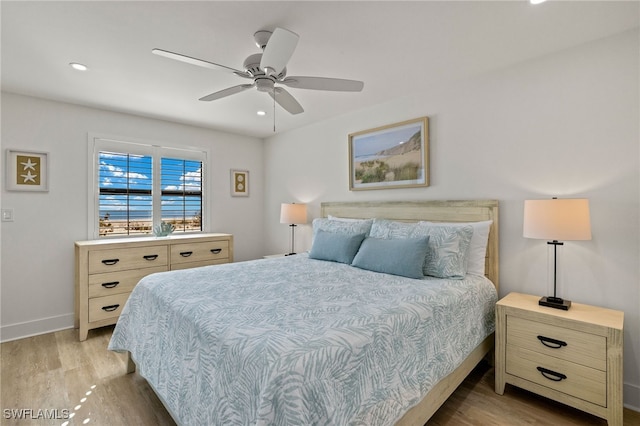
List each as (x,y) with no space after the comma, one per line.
(181,183)
(137,186)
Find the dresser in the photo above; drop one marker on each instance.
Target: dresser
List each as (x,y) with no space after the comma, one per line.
(574,356)
(107,270)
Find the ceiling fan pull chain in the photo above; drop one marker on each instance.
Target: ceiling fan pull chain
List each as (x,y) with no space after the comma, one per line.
(274,109)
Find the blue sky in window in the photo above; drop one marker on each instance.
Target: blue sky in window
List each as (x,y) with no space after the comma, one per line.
(177,175)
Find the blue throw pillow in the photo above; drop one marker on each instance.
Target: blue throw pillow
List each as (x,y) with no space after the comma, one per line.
(335,247)
(403,257)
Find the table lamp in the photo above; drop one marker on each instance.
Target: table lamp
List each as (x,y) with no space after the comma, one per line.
(557,220)
(293,214)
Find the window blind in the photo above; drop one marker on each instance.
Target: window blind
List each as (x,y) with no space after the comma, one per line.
(125,202)
(181,183)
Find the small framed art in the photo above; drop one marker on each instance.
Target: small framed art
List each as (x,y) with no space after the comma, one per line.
(239,183)
(27,170)
(392,156)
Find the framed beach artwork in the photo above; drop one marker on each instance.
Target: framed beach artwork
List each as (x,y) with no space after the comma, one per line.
(392,156)
(27,170)
(239,183)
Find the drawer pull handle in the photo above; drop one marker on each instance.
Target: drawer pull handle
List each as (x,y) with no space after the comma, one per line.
(186,253)
(110,308)
(112,284)
(216,251)
(150,257)
(551,375)
(551,343)
(110,262)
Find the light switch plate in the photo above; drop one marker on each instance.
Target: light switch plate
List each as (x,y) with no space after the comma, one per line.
(7,215)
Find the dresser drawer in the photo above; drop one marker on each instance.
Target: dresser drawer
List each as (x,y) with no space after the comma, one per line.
(572,379)
(127,258)
(110,283)
(571,345)
(176,266)
(199,252)
(101,308)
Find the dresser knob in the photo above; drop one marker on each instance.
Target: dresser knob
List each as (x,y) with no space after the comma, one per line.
(150,257)
(216,251)
(112,284)
(110,262)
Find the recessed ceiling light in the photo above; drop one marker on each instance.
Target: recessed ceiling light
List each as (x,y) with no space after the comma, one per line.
(78,67)
(261,113)
(536,1)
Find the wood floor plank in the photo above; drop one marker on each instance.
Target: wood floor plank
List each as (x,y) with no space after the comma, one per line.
(57,372)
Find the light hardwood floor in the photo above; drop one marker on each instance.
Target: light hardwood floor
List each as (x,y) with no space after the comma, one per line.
(57,372)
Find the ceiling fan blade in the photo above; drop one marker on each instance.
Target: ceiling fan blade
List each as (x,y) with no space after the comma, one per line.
(278,51)
(198,62)
(226,92)
(322,83)
(286,101)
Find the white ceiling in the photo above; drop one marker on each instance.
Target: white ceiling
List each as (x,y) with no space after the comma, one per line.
(396,48)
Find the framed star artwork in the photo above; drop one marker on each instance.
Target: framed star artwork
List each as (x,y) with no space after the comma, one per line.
(239,183)
(27,170)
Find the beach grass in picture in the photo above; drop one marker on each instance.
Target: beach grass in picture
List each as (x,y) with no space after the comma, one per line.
(392,156)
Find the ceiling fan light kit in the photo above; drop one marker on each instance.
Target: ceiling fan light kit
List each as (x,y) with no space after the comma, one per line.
(268,69)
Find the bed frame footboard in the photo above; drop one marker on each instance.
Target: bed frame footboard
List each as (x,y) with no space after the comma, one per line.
(418,415)
(131,366)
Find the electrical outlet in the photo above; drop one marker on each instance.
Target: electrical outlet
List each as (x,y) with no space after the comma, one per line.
(7,215)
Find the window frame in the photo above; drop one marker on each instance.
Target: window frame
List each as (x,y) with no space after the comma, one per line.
(157,151)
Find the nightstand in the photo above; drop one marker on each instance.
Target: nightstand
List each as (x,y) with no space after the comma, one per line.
(574,356)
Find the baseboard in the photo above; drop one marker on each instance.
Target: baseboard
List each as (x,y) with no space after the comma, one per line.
(631,396)
(33,328)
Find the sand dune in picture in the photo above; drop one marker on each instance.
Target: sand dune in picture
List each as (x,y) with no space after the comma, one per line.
(398,167)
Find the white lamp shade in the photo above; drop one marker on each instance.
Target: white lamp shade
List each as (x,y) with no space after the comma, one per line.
(293,213)
(557,219)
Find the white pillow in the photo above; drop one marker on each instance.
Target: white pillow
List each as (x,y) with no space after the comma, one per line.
(477,251)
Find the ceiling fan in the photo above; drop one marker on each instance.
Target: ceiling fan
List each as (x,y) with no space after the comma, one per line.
(268,69)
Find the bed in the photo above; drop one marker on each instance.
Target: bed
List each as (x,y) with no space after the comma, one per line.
(303,340)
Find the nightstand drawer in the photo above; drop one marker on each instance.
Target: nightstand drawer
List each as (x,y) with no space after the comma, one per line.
(564,343)
(127,258)
(101,308)
(199,252)
(111,283)
(572,379)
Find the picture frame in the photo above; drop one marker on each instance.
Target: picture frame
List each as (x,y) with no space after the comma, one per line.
(27,170)
(391,156)
(239,183)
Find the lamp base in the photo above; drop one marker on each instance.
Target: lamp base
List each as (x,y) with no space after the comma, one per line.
(555,302)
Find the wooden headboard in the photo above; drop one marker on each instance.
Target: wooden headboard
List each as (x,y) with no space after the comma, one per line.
(434,211)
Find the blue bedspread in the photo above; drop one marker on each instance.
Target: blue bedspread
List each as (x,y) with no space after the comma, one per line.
(297,341)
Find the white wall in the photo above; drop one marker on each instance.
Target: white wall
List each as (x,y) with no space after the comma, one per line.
(37,281)
(564,125)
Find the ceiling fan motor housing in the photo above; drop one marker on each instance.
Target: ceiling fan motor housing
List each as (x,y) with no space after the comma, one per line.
(252,66)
